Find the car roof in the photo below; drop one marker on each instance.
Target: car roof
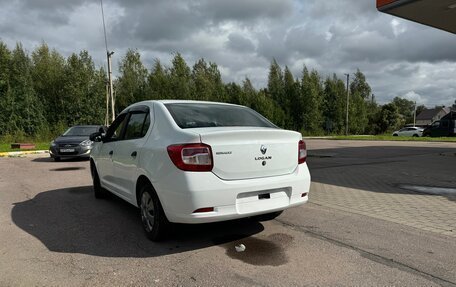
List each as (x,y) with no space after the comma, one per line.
(164,102)
(190,102)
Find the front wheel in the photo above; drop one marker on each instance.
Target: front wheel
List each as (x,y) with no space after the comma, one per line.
(154,221)
(415,135)
(99,192)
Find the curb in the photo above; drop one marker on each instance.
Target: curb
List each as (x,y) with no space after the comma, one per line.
(22,153)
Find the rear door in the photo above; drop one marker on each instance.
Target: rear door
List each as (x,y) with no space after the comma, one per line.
(128,151)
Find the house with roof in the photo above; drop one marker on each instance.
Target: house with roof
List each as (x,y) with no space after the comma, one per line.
(428,116)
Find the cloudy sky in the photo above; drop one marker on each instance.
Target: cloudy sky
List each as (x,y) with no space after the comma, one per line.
(398,57)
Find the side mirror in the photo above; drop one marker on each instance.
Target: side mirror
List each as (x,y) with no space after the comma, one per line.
(95,137)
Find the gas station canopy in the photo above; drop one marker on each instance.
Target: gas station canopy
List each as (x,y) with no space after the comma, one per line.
(440,14)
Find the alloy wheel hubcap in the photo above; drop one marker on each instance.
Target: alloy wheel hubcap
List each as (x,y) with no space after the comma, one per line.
(147,211)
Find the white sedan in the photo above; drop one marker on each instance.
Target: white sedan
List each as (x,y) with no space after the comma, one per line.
(409,132)
(196,162)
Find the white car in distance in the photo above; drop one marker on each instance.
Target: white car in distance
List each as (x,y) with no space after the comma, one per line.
(409,132)
(197,162)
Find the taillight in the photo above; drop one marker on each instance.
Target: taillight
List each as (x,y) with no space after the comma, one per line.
(302,152)
(191,157)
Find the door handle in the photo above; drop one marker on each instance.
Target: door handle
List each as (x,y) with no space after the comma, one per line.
(134,154)
(111,152)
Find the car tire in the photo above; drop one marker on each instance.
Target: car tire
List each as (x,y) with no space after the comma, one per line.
(153,218)
(98,191)
(268,216)
(415,135)
(395,135)
(56,158)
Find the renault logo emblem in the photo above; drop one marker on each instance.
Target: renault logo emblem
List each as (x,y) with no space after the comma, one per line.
(263,149)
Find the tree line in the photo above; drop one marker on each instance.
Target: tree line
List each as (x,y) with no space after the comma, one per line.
(43,93)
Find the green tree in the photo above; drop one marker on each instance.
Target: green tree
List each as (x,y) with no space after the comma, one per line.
(290,97)
(405,108)
(360,95)
(276,85)
(6,100)
(249,93)
(180,79)
(269,108)
(131,85)
(158,82)
(207,82)
(334,105)
(358,118)
(27,110)
(48,80)
(84,92)
(311,101)
(389,118)
(360,86)
(234,93)
(372,117)
(5,58)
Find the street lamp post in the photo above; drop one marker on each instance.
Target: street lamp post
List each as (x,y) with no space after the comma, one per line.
(111,94)
(348,99)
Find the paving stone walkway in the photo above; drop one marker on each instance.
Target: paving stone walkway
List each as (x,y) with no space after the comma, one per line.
(370,182)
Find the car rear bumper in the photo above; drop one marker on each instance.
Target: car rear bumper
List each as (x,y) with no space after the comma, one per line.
(182,193)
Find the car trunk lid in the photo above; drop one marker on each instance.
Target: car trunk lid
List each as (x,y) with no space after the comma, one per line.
(243,153)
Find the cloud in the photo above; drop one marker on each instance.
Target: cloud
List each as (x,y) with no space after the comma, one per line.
(246,10)
(238,42)
(398,57)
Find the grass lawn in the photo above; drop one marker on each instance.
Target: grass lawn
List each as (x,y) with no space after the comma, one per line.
(392,138)
(6,147)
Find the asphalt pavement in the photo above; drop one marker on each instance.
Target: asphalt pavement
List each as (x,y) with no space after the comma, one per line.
(363,226)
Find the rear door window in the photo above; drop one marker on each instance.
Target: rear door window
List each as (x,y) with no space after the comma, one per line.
(137,126)
(201,115)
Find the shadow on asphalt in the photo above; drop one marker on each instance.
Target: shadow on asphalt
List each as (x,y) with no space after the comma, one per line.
(71,220)
(70,168)
(385,168)
(49,159)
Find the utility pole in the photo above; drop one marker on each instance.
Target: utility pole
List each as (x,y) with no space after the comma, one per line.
(107,105)
(111,94)
(414,116)
(348,99)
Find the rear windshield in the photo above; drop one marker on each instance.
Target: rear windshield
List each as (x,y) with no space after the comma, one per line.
(189,115)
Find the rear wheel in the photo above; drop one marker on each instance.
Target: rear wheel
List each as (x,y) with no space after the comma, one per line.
(395,135)
(267,216)
(154,221)
(415,135)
